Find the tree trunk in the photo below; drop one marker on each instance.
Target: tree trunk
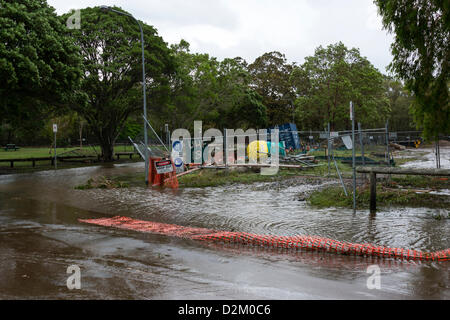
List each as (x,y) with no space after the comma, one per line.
(81,135)
(107,152)
(107,146)
(10,135)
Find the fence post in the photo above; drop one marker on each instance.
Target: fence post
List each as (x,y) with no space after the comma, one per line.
(328,147)
(225,136)
(373,192)
(387,144)
(352,117)
(438,153)
(362,144)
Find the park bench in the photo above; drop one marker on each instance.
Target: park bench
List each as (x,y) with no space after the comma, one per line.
(11,147)
(129,154)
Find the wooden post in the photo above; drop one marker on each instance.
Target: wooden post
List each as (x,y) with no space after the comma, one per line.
(373,191)
(12,164)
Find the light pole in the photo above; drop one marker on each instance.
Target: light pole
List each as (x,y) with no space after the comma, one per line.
(106,9)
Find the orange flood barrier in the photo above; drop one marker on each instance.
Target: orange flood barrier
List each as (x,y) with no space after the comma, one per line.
(285,242)
(166,179)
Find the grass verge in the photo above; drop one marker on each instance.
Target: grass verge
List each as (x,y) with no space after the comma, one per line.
(335,197)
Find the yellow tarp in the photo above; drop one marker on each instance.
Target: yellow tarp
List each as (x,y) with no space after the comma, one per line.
(257,150)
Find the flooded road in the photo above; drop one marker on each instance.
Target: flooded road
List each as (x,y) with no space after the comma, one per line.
(40,237)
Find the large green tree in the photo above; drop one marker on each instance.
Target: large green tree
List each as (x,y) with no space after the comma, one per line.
(270,78)
(421,57)
(400,99)
(39,65)
(109,44)
(216,92)
(327,82)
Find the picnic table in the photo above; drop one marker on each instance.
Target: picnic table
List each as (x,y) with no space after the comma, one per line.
(11,146)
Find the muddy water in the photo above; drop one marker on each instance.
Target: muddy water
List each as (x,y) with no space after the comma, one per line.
(40,236)
(427,158)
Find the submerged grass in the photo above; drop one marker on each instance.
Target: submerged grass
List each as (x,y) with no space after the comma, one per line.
(103,183)
(212,177)
(420,182)
(335,197)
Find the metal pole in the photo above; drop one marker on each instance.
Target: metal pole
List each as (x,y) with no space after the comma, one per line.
(373,192)
(145,103)
(361,143)
(352,116)
(55,152)
(387,149)
(363,158)
(438,153)
(328,147)
(146,155)
(387,144)
(340,176)
(226,146)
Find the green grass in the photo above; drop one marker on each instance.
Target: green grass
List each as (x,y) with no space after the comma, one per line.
(419,182)
(368,152)
(26,166)
(212,177)
(103,183)
(24,153)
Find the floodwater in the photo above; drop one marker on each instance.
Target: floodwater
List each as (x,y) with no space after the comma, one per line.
(40,237)
(427,158)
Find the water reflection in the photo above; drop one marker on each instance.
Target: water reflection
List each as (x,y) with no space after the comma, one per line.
(40,235)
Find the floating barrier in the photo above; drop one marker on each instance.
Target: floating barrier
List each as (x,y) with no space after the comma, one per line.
(286,242)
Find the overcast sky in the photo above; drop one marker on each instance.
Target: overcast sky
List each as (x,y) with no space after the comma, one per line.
(249,28)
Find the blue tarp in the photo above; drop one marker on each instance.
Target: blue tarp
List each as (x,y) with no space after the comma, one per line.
(288,134)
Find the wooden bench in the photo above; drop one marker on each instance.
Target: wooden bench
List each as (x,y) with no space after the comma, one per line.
(130,154)
(11,147)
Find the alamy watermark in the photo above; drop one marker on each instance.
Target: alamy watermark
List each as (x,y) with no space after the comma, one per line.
(232,146)
(74,21)
(74,280)
(374,280)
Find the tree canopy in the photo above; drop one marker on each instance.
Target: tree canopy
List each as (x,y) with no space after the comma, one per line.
(109,45)
(326,82)
(270,78)
(92,76)
(39,65)
(216,92)
(421,52)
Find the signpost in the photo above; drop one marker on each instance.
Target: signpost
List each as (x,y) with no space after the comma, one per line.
(352,117)
(55,130)
(177,154)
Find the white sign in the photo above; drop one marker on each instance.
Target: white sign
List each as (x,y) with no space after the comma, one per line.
(351,110)
(177,153)
(55,128)
(164,166)
(334,134)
